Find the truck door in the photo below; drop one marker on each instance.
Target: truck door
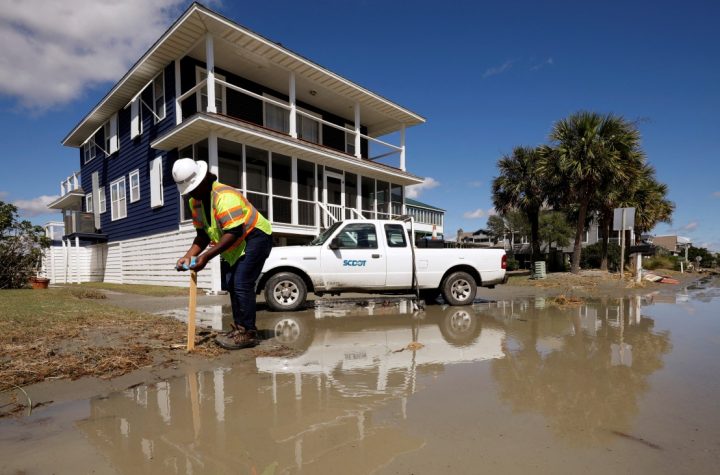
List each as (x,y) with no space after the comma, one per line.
(399,258)
(359,262)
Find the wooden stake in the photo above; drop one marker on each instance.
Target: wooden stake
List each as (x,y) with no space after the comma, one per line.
(191,311)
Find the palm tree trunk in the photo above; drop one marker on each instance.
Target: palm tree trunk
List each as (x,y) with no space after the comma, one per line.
(577,249)
(534,218)
(605,219)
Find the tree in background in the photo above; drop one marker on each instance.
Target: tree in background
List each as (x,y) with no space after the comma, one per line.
(508,225)
(649,197)
(21,248)
(520,186)
(555,229)
(589,151)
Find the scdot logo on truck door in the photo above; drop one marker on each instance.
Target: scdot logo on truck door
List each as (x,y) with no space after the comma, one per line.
(353,263)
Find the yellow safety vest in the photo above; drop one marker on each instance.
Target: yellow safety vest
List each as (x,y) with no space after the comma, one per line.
(229,210)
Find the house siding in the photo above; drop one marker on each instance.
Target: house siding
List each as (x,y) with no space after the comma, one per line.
(136,154)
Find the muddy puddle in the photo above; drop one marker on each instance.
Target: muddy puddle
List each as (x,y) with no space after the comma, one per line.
(516,386)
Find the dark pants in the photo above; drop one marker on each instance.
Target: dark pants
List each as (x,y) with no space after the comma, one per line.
(241,277)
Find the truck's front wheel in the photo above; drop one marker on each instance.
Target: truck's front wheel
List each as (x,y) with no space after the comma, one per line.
(285,292)
(459,288)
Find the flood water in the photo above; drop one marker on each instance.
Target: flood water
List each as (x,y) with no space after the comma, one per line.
(614,385)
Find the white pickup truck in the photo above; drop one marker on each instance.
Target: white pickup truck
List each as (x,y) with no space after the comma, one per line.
(374,256)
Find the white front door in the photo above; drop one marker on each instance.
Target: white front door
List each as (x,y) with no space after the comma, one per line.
(358,263)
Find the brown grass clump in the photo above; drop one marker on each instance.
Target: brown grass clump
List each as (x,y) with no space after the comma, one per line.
(87,294)
(566,301)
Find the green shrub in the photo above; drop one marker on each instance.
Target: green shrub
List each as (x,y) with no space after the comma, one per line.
(512,263)
(661,262)
(591,256)
(21,248)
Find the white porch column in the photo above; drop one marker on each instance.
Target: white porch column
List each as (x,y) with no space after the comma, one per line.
(210,59)
(358,200)
(213,167)
(293,107)
(77,259)
(318,215)
(402,147)
(294,192)
(358,152)
(178,93)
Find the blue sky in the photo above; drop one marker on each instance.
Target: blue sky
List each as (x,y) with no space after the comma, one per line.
(487,76)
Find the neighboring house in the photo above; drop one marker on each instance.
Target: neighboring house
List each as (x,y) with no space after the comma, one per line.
(479,238)
(428,218)
(299,140)
(675,245)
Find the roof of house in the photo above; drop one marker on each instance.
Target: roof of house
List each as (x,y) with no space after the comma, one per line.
(187,33)
(420,204)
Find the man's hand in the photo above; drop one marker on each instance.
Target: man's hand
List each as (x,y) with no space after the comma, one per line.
(200,263)
(183,263)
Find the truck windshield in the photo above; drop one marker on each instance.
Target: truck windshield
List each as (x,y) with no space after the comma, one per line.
(325,235)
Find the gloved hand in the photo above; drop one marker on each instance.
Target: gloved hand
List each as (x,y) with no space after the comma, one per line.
(185,263)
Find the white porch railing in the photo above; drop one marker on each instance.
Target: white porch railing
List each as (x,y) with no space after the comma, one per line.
(331,214)
(387,149)
(70,183)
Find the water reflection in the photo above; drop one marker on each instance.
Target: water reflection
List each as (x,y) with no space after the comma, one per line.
(343,399)
(582,368)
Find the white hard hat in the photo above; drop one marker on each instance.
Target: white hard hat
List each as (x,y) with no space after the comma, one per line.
(188,174)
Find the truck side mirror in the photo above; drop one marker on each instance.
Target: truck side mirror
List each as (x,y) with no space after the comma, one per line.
(335,244)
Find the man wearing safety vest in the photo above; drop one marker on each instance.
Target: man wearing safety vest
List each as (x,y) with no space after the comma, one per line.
(224,217)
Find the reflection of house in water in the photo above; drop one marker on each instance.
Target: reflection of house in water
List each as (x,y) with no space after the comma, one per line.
(582,367)
(311,413)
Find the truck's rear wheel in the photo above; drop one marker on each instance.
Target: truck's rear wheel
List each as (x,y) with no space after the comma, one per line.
(285,292)
(459,288)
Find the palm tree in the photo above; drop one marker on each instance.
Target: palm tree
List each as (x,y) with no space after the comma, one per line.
(520,186)
(650,201)
(588,151)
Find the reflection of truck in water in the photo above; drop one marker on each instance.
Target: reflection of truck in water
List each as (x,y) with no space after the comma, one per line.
(375,256)
(379,346)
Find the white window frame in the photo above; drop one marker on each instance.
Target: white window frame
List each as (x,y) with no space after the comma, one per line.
(134,174)
(89,152)
(157,194)
(122,215)
(299,124)
(89,203)
(265,106)
(350,139)
(220,90)
(159,114)
(103,203)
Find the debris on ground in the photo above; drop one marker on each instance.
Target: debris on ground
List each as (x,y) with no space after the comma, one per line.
(415,345)
(565,301)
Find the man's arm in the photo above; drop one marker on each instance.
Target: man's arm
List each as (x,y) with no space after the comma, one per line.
(200,242)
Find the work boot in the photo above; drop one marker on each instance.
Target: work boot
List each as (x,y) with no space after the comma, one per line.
(237,338)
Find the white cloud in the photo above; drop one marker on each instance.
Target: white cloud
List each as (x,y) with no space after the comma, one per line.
(413,191)
(495,70)
(3,195)
(52,50)
(548,62)
(491,212)
(35,206)
(691,226)
(716,194)
(476,184)
(478,213)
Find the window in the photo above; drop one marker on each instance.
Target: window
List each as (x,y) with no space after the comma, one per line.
(350,139)
(134,186)
(157,196)
(306,193)
(136,123)
(107,135)
(118,203)
(159,97)
(256,173)
(276,117)
(102,204)
(220,102)
(358,236)
(281,179)
(88,150)
(309,129)
(89,203)
(395,234)
(368,197)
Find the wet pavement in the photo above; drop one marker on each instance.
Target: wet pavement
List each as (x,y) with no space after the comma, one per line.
(374,386)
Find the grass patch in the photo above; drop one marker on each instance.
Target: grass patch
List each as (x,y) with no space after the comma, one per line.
(148,290)
(55,333)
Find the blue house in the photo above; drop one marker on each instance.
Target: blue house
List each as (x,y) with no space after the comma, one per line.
(300,141)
